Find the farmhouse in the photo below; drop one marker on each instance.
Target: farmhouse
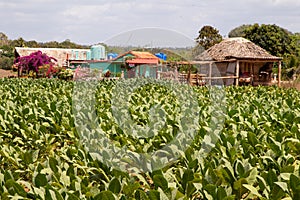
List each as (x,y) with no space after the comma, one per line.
(66,57)
(238,61)
(61,55)
(132,63)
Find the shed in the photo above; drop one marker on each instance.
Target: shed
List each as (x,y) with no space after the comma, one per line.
(238,61)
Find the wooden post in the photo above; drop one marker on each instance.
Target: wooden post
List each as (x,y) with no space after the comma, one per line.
(197,81)
(209,73)
(189,75)
(237,73)
(279,73)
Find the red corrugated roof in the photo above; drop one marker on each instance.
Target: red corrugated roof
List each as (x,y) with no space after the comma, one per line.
(142,61)
(143,54)
(139,55)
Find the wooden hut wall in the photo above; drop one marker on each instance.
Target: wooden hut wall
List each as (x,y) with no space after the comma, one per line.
(203,68)
(220,69)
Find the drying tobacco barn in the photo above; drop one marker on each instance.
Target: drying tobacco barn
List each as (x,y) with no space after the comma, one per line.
(237,61)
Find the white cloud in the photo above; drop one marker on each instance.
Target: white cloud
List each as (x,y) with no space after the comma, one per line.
(85,13)
(286,2)
(92,21)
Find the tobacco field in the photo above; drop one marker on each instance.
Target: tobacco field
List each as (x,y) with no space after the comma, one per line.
(255,155)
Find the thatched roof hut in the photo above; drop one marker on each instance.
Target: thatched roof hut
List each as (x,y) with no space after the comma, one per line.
(236,48)
(239,59)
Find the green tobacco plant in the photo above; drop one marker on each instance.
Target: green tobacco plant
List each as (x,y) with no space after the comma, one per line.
(42,156)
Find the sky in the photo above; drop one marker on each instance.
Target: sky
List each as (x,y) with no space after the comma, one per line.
(156,21)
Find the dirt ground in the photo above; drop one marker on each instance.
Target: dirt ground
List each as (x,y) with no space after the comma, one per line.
(7,73)
(290,84)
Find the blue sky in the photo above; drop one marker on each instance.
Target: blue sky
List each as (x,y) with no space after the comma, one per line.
(94,21)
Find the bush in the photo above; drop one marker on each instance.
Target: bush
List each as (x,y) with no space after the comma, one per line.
(6,63)
(66,74)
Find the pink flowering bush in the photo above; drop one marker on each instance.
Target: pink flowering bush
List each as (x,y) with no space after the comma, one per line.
(34,62)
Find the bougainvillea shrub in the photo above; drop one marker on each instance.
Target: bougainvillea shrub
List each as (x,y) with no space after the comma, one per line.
(35,61)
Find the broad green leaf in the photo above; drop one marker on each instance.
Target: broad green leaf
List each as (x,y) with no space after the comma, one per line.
(50,195)
(211,190)
(14,188)
(160,181)
(65,179)
(140,195)
(53,164)
(130,188)
(72,196)
(105,195)
(188,175)
(294,183)
(252,139)
(283,186)
(251,179)
(295,186)
(115,186)
(221,193)
(154,195)
(252,189)
(190,189)
(162,195)
(285,176)
(40,180)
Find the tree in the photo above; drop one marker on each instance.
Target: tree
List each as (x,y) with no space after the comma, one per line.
(239,31)
(7,51)
(6,62)
(276,40)
(208,36)
(3,39)
(20,42)
(296,44)
(32,44)
(71,45)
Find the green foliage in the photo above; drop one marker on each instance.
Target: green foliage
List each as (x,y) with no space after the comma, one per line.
(277,41)
(239,31)
(65,74)
(41,156)
(208,36)
(6,62)
(6,52)
(273,38)
(3,39)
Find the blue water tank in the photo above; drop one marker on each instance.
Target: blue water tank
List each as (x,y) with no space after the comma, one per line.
(161,56)
(111,56)
(98,52)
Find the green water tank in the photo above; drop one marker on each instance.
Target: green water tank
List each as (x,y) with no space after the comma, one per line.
(88,55)
(98,52)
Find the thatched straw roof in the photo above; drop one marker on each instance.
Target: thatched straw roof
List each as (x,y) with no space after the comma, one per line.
(235,48)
